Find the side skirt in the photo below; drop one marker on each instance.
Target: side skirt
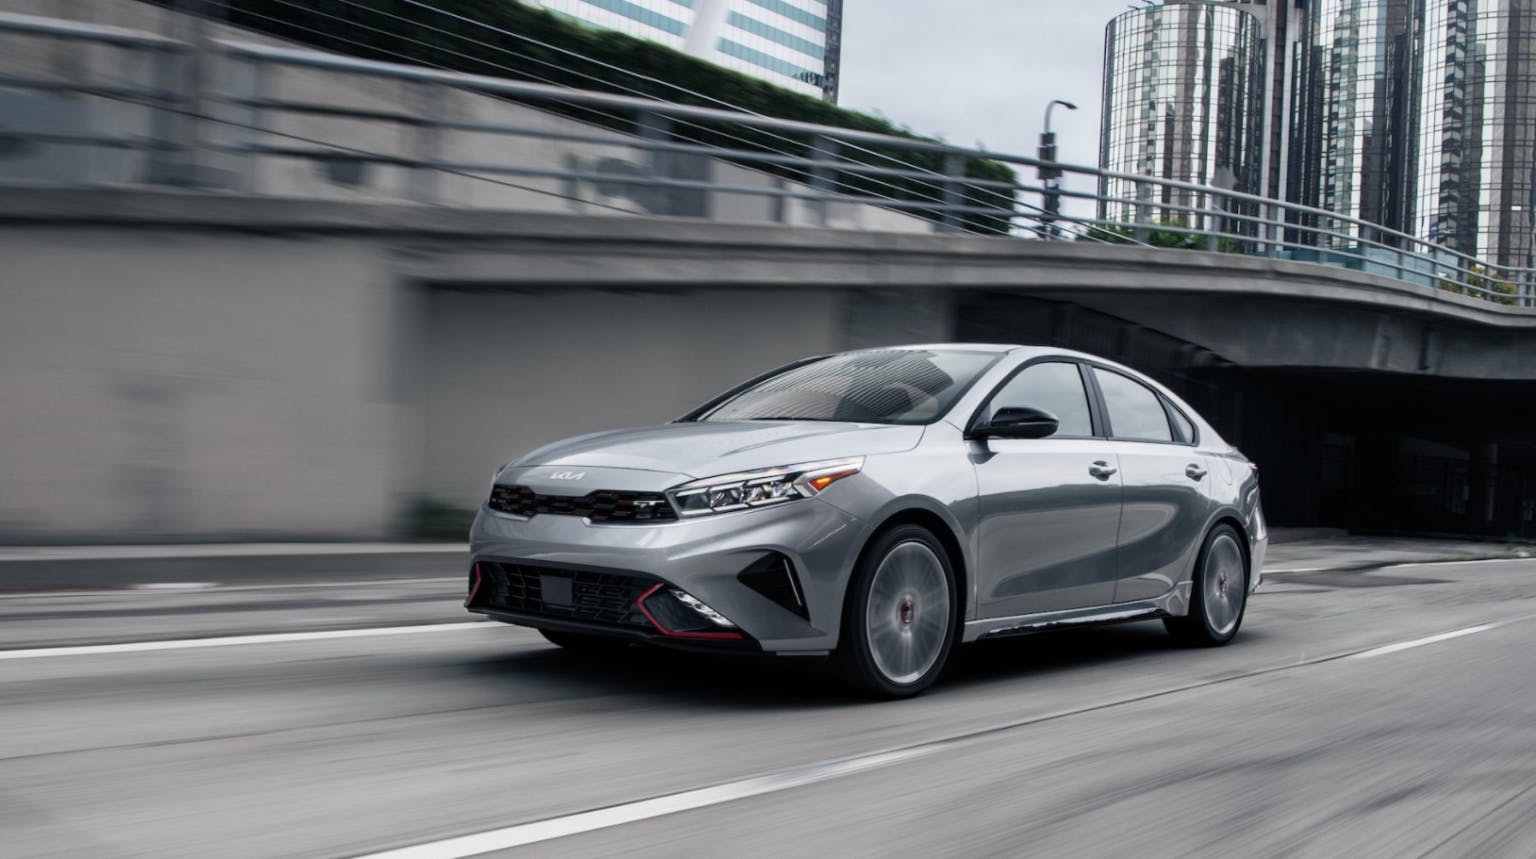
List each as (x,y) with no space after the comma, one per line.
(1174,603)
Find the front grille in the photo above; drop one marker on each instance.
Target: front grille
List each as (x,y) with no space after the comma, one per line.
(600,506)
(585,595)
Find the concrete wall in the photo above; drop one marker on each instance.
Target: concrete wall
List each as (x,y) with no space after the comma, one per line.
(175,383)
(159,385)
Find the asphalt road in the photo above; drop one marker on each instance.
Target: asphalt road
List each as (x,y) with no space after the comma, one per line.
(1315,734)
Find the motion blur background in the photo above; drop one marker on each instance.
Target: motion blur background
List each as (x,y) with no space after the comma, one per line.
(280,270)
(301,273)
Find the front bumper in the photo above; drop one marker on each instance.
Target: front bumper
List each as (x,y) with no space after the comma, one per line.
(704,557)
(612,603)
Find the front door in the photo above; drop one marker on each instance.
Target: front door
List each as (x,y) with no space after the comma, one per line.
(1049,508)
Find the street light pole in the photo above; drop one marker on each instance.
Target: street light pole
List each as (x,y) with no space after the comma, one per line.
(1049,174)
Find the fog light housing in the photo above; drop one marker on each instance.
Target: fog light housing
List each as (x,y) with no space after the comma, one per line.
(678,614)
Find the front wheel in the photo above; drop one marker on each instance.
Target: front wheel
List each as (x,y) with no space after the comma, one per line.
(1219,595)
(899,616)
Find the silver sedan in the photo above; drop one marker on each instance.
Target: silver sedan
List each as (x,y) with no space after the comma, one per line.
(880,507)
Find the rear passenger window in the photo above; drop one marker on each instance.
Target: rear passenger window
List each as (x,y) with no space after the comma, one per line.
(1135,411)
(1054,386)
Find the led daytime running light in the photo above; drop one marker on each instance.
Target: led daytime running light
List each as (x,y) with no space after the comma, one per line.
(761,488)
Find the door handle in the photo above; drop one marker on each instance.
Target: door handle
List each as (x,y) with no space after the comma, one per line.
(1102,470)
(1194,472)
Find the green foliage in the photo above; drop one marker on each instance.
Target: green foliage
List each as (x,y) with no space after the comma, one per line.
(481,37)
(1167,233)
(1480,278)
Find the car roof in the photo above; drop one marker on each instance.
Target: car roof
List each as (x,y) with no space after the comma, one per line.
(989,348)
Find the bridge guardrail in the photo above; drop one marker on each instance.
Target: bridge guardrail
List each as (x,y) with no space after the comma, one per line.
(220,101)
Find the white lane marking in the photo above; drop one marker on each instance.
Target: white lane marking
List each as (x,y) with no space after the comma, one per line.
(176,586)
(224,550)
(224,589)
(1394,566)
(631,812)
(232,640)
(1420,642)
(359,583)
(1454,563)
(550,828)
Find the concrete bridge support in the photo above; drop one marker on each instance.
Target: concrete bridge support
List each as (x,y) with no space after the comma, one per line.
(187,366)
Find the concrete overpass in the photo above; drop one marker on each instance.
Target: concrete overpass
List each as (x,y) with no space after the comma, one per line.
(185,365)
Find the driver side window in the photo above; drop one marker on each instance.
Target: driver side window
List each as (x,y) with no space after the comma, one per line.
(1054,386)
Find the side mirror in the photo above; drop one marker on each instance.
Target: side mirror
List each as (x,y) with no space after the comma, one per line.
(1018,422)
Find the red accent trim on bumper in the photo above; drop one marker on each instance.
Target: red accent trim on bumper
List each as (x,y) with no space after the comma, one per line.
(475,589)
(640,604)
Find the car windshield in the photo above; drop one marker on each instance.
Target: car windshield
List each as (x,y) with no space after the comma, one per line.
(894,386)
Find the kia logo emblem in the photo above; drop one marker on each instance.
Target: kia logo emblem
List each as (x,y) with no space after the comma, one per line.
(568,475)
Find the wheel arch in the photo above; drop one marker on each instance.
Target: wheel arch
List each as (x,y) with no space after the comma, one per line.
(943,530)
(1230,517)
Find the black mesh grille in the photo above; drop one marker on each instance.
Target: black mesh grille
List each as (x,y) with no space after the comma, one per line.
(583,595)
(600,506)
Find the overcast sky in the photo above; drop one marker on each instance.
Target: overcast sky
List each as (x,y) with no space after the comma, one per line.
(980,70)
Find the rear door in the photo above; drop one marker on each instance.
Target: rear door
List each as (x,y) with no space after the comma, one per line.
(1165,484)
(1050,507)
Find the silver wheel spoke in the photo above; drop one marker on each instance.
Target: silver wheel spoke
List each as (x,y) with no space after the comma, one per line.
(908,614)
(1224,585)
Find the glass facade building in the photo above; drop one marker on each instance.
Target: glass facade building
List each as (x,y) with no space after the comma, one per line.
(1184,86)
(1352,112)
(1477,128)
(796,44)
(1417,115)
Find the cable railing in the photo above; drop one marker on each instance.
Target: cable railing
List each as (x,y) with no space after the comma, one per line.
(776,145)
(251,107)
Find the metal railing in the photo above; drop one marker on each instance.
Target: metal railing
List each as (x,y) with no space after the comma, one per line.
(271,119)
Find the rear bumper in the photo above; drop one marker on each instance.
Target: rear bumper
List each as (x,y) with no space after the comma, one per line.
(1258,546)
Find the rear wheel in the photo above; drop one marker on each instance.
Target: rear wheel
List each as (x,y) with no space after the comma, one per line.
(577,642)
(899,616)
(1219,595)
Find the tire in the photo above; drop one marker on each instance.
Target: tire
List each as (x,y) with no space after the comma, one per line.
(900,615)
(1219,596)
(577,642)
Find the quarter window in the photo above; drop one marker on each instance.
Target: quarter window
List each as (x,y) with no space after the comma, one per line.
(1053,386)
(1185,428)
(1135,411)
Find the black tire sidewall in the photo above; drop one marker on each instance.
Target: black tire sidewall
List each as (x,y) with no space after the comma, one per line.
(853,654)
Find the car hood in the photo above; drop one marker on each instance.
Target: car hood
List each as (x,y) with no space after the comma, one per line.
(708,448)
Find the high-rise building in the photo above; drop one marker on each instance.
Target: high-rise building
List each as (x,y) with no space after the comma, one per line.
(1476,141)
(1184,87)
(796,44)
(1352,112)
(1417,115)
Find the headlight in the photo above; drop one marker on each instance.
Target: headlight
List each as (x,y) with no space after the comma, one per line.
(761,488)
